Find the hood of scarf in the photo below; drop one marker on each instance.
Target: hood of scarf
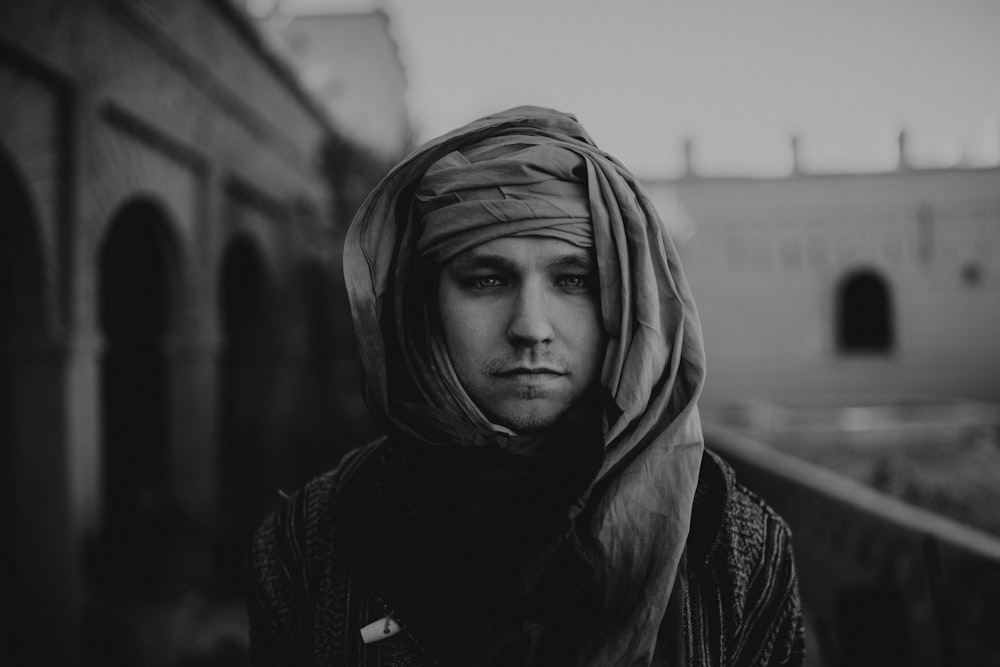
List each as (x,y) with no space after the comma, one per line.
(638,506)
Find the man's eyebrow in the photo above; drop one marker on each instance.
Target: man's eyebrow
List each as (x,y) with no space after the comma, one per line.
(577,260)
(472,260)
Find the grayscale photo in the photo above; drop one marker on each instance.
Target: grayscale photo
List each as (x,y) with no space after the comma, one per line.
(468,333)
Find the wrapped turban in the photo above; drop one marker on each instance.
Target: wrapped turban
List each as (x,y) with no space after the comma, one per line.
(515,188)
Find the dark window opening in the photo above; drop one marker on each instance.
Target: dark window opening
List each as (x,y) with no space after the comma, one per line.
(864,314)
(972,274)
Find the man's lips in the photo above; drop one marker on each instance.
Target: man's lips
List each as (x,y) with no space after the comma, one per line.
(526,371)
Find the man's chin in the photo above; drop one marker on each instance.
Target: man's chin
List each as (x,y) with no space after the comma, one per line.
(529,417)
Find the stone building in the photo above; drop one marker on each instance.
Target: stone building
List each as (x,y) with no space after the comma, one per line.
(168,307)
(846,287)
(351,62)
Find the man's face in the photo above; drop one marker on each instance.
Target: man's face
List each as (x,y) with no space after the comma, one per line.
(522,322)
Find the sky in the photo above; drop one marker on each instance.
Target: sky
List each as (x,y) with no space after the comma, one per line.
(738,78)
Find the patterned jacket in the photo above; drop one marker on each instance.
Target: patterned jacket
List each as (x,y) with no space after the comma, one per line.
(307,604)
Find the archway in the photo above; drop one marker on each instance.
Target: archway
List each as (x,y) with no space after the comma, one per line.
(320,428)
(864,314)
(22,318)
(135,289)
(246,384)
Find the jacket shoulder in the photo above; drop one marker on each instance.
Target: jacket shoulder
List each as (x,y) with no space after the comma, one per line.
(742,565)
(729,520)
(290,545)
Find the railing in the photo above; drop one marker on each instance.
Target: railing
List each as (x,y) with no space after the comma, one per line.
(883,583)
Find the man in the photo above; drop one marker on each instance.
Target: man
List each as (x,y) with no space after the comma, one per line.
(542,495)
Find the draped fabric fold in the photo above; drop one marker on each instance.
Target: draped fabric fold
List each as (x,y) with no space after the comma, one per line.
(508,187)
(536,171)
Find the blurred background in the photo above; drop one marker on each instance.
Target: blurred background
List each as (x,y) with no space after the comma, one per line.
(176,347)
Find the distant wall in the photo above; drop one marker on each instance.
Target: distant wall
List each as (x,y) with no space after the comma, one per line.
(768,257)
(882,583)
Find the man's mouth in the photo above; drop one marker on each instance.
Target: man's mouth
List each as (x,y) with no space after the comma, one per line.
(528,371)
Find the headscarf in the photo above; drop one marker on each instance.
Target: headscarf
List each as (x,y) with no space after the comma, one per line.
(637,507)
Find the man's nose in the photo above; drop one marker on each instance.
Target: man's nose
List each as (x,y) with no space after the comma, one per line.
(530,321)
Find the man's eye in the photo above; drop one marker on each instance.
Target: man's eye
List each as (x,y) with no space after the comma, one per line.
(484,282)
(575,282)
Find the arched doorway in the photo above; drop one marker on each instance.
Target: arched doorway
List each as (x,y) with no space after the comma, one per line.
(135,290)
(246,409)
(333,415)
(864,314)
(320,428)
(22,318)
